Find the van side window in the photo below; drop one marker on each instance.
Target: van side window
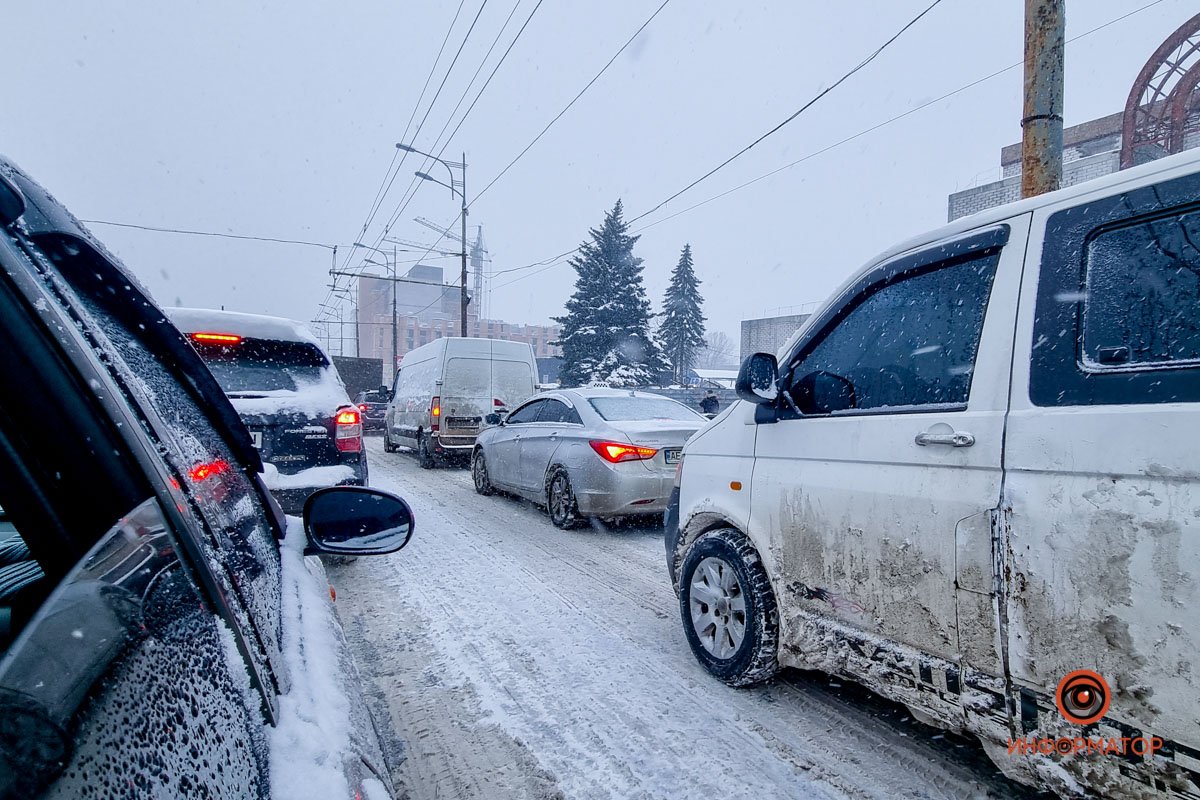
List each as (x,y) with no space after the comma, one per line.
(1117,319)
(1141,303)
(908,343)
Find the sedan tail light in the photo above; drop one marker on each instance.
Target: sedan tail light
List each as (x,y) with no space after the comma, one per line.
(435,413)
(616,452)
(348,430)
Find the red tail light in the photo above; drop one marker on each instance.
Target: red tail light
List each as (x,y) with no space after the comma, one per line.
(498,403)
(348,425)
(362,407)
(616,452)
(435,413)
(216,338)
(207,470)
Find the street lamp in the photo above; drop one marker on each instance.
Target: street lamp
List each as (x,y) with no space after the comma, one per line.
(395,320)
(462,194)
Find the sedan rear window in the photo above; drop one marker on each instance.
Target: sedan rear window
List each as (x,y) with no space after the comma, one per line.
(619,409)
(261,365)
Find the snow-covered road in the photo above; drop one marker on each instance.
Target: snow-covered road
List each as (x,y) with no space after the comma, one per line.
(511,659)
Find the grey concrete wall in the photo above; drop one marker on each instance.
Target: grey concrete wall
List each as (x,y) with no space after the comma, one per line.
(768,334)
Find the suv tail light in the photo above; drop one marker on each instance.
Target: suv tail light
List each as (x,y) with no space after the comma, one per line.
(435,413)
(348,430)
(616,452)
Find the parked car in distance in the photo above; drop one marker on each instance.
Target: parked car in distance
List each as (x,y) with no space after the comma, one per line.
(372,405)
(973,474)
(585,453)
(161,633)
(445,389)
(288,394)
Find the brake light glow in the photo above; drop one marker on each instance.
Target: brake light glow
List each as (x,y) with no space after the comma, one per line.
(362,407)
(348,433)
(435,413)
(498,403)
(217,338)
(616,452)
(202,471)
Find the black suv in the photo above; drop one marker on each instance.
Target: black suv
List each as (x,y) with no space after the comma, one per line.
(286,390)
(161,633)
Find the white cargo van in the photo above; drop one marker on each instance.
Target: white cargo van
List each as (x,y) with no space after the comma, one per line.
(971,482)
(444,390)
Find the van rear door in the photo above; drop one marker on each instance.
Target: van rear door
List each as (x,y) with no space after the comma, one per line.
(1103,459)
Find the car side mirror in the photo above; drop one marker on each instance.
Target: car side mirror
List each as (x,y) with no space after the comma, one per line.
(757,379)
(356,521)
(494,419)
(823,392)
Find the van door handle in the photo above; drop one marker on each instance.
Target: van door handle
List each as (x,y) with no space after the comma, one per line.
(955,439)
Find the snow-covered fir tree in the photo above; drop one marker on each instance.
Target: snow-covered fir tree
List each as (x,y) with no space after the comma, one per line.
(606,330)
(681,332)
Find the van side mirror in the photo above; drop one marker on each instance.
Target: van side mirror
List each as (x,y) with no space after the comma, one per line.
(823,392)
(356,521)
(757,379)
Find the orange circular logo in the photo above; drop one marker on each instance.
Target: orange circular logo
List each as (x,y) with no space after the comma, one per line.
(1082,697)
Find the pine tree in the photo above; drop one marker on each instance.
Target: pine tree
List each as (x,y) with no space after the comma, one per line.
(606,330)
(681,332)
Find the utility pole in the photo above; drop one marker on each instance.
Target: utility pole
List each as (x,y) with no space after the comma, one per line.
(463,277)
(1042,120)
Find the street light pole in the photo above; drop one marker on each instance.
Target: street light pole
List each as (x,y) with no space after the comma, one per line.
(462,193)
(395,318)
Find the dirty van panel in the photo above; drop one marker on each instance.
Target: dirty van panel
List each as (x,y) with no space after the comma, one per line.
(863,517)
(512,382)
(1103,468)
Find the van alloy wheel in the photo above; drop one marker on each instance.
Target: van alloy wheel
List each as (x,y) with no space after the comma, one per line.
(718,607)
(728,609)
(424,456)
(388,445)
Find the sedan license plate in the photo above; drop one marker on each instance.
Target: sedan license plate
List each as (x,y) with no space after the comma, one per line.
(256,438)
(673,456)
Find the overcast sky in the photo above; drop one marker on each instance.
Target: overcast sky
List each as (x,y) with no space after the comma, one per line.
(280,119)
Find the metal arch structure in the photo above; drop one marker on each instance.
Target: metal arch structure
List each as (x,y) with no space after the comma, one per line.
(1163,109)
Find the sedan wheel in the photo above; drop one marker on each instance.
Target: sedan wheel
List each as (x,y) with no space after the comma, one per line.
(479,473)
(560,501)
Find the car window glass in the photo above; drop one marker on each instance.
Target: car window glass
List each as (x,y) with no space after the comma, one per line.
(524,414)
(467,377)
(557,411)
(263,365)
(1142,297)
(909,343)
(22,581)
(242,540)
(620,409)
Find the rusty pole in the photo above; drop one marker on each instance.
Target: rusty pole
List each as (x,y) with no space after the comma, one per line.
(1042,121)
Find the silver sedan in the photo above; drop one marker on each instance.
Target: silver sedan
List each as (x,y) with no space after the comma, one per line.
(587,452)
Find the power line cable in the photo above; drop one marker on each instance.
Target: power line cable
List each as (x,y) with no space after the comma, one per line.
(215,234)
(798,111)
(554,260)
(575,99)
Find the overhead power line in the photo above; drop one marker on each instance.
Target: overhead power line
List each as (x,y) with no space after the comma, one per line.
(798,111)
(554,261)
(215,234)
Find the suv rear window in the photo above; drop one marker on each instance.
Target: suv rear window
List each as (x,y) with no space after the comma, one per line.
(618,409)
(263,365)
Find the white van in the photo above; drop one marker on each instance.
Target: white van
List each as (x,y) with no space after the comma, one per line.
(971,482)
(444,391)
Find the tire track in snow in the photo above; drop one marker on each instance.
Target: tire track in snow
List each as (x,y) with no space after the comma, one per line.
(571,643)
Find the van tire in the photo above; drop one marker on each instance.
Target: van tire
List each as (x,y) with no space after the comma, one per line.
(479,473)
(424,455)
(388,445)
(561,504)
(755,658)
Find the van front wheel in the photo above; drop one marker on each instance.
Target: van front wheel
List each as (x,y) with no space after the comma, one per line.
(729,613)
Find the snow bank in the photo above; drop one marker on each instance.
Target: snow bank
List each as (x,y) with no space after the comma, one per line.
(312,742)
(313,476)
